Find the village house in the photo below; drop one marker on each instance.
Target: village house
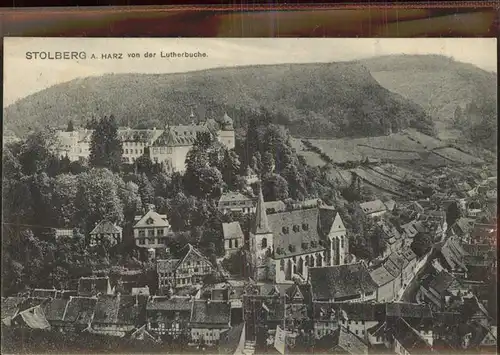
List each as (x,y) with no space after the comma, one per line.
(408,341)
(209,319)
(106,233)
(30,315)
(462,228)
(235,202)
(386,283)
(358,318)
(284,245)
(151,229)
(342,283)
(93,286)
(233,237)
(118,315)
(374,208)
(341,341)
(187,271)
(169,315)
(392,237)
(73,315)
(325,318)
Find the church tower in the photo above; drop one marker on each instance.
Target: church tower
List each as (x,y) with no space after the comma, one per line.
(261,240)
(339,244)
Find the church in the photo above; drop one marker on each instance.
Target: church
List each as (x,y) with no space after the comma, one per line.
(284,245)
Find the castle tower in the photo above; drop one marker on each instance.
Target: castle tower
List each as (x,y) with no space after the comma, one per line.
(261,240)
(226,132)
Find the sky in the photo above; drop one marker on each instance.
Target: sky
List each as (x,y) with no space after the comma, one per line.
(23,77)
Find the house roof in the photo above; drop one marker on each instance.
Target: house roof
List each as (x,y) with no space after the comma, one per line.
(106,227)
(54,309)
(390,204)
(93,285)
(166,266)
(408,310)
(441,282)
(373,206)
(463,225)
(120,309)
(38,292)
(340,281)
(408,254)
(211,313)
(409,338)
(341,341)
(394,264)
(232,230)
(80,310)
(234,196)
(453,253)
(230,339)
(260,224)
(152,219)
(364,311)
(161,303)
(381,276)
(295,232)
(10,306)
(325,311)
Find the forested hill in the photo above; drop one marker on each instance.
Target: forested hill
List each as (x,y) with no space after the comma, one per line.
(459,96)
(312,100)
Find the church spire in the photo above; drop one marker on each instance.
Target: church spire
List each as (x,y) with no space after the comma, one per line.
(261,225)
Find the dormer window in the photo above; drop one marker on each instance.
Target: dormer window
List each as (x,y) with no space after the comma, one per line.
(314,244)
(304,246)
(285,230)
(305,226)
(296,228)
(150,221)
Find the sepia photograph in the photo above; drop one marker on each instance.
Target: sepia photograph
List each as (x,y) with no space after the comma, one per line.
(249,195)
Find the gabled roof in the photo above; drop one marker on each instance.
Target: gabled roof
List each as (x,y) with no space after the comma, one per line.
(232,230)
(341,341)
(161,303)
(80,310)
(394,264)
(106,227)
(381,276)
(296,232)
(340,281)
(211,313)
(363,311)
(373,206)
(408,253)
(92,285)
(146,136)
(181,135)
(152,219)
(408,310)
(261,223)
(234,196)
(409,338)
(54,309)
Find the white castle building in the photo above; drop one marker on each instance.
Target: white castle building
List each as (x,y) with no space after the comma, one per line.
(168,147)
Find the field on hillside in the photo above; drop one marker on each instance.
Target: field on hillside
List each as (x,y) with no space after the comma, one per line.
(407,146)
(311,158)
(394,147)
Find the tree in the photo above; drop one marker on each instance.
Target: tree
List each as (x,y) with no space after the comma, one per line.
(64,199)
(421,243)
(274,188)
(145,165)
(35,152)
(146,190)
(98,198)
(105,145)
(231,168)
(70,127)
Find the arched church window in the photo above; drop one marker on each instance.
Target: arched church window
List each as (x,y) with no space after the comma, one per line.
(282,264)
(342,241)
(319,260)
(264,243)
